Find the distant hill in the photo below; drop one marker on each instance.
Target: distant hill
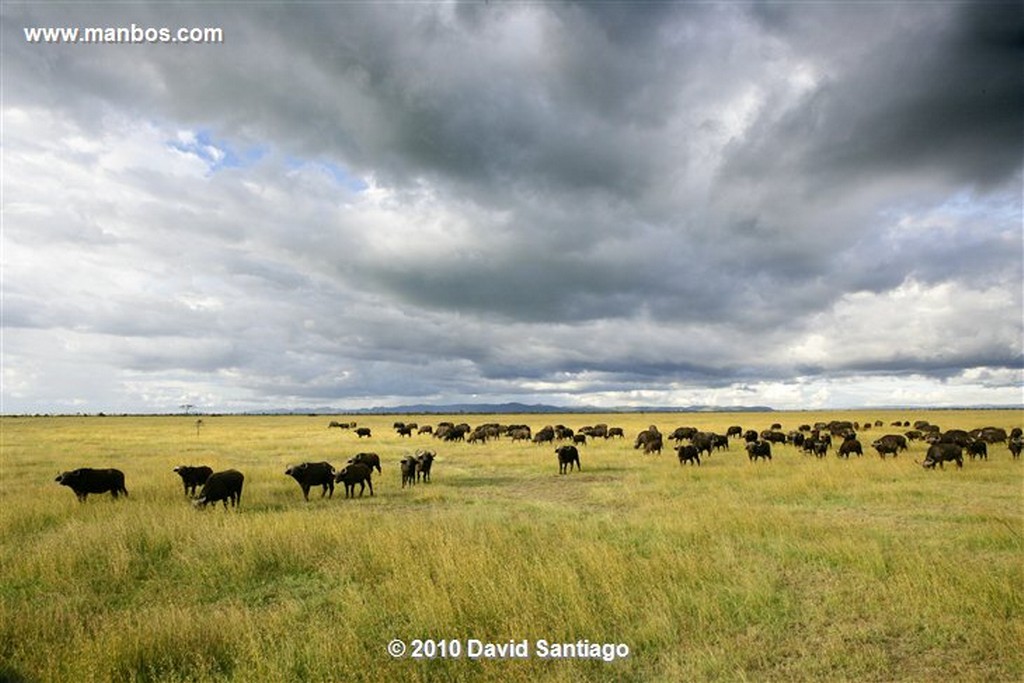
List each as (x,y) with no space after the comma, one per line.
(512,408)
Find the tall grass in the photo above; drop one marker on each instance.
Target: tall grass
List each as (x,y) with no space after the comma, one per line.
(797,569)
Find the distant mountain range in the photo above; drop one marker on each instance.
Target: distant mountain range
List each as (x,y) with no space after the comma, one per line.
(511,408)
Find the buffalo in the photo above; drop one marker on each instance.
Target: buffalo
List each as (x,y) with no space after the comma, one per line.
(371,460)
(703,442)
(939,453)
(352,474)
(977,449)
(850,446)
(409,466)
(615,432)
(363,431)
(567,456)
(890,443)
(222,486)
(310,474)
(424,463)
(683,434)
(86,480)
(544,435)
(759,449)
(1015,445)
(192,477)
(688,454)
(652,444)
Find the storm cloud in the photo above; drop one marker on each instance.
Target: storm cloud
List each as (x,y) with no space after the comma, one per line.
(603,204)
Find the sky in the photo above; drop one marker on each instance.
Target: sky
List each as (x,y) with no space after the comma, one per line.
(802,205)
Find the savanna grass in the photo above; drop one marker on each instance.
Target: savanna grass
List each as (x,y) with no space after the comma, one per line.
(797,569)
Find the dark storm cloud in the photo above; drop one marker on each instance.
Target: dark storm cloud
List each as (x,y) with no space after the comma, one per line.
(442,199)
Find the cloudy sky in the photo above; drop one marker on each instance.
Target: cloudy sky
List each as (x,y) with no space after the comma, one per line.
(798,204)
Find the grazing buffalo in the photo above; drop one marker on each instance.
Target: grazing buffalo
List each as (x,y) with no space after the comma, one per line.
(977,449)
(939,453)
(579,439)
(86,480)
(355,473)
(371,460)
(567,456)
(958,436)
(310,474)
(1016,445)
(683,434)
(424,463)
(544,435)
(850,446)
(735,430)
(409,466)
(363,431)
(990,434)
(890,443)
(653,444)
(703,442)
(520,434)
(404,430)
(192,477)
(614,432)
(773,436)
(688,454)
(759,449)
(222,486)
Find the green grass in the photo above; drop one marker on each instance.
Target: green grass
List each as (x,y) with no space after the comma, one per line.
(797,569)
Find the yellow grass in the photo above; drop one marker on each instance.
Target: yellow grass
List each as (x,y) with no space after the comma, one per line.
(797,569)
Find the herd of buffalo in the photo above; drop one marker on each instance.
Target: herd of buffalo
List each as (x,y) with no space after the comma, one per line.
(226,486)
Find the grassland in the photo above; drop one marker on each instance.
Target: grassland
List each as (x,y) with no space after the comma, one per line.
(797,569)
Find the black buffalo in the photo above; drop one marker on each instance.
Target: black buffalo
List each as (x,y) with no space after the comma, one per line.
(939,453)
(683,433)
(310,474)
(759,449)
(977,449)
(371,460)
(688,454)
(424,463)
(222,486)
(86,480)
(1015,445)
(544,435)
(192,477)
(703,442)
(363,431)
(567,457)
(653,444)
(409,465)
(356,473)
(850,446)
